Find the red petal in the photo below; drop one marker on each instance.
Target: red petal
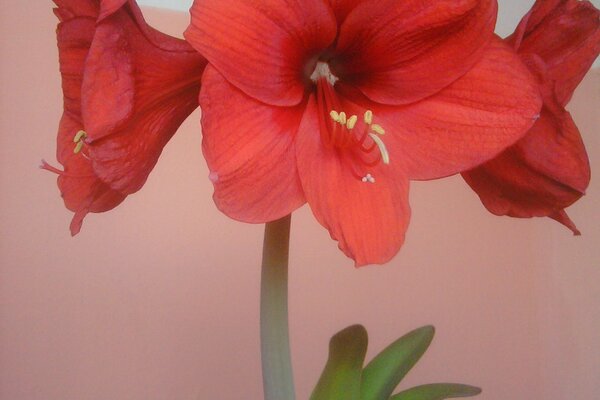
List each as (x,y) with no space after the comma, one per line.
(137,90)
(108,85)
(341,8)
(367,219)
(109,7)
(248,146)
(566,36)
(545,172)
(399,52)
(262,48)
(74,38)
(536,14)
(469,122)
(553,147)
(68,9)
(562,217)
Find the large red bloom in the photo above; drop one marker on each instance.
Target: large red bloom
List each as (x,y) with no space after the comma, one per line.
(548,169)
(341,102)
(127,88)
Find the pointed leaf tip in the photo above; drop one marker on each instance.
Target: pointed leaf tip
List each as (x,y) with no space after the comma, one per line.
(437,391)
(340,379)
(381,376)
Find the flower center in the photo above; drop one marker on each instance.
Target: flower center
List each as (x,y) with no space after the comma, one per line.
(357,141)
(322,70)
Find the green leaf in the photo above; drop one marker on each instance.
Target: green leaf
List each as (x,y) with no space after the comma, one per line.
(340,379)
(386,370)
(437,391)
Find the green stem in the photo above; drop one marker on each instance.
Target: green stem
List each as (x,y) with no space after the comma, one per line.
(278,380)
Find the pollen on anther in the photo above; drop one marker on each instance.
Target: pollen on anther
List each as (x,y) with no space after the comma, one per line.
(368,117)
(78,147)
(378,129)
(343,118)
(334,115)
(351,122)
(78,139)
(79,135)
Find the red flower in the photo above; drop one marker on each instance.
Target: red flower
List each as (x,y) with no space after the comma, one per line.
(127,88)
(547,170)
(297,97)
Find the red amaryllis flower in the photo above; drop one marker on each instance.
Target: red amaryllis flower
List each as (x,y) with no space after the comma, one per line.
(127,88)
(341,102)
(548,169)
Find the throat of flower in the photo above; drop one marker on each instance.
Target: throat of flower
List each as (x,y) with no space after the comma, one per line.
(358,141)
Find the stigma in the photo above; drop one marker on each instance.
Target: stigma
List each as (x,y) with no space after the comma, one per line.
(368,178)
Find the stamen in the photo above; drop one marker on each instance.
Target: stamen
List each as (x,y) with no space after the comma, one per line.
(79,135)
(360,149)
(385,156)
(368,117)
(78,147)
(334,115)
(378,129)
(80,140)
(351,122)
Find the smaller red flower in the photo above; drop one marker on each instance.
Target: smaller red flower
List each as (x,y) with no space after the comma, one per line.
(548,169)
(127,88)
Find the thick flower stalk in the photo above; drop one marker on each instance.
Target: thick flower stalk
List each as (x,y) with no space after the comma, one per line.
(127,88)
(339,103)
(547,170)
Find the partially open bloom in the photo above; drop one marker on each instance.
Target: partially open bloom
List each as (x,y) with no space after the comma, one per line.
(339,103)
(127,88)
(547,170)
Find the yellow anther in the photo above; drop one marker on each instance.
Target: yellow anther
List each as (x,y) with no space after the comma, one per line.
(368,117)
(342,119)
(334,115)
(385,156)
(351,122)
(79,140)
(378,129)
(78,147)
(78,136)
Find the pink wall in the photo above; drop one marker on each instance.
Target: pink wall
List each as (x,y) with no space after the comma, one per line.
(158,299)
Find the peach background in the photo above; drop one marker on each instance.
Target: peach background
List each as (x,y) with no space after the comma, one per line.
(158,299)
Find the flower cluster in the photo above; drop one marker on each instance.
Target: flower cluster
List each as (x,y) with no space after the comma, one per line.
(334,103)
